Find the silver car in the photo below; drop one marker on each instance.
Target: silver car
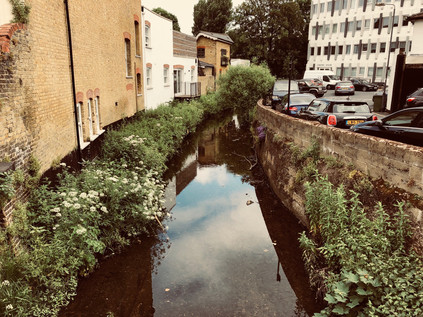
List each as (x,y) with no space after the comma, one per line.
(344,88)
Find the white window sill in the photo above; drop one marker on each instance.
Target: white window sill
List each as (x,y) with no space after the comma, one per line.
(137,56)
(129,77)
(84,145)
(149,47)
(139,95)
(167,85)
(95,136)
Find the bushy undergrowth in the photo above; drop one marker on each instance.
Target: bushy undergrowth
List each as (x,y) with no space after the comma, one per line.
(360,261)
(62,231)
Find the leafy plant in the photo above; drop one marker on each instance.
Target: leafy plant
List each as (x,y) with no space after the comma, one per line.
(6,188)
(20,11)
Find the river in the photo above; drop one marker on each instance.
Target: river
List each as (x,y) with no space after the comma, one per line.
(230,248)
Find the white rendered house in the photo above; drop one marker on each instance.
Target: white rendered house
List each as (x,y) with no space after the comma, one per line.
(351,37)
(5,12)
(158,59)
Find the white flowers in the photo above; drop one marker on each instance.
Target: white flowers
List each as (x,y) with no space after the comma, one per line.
(5,283)
(9,307)
(104,209)
(77,206)
(80,230)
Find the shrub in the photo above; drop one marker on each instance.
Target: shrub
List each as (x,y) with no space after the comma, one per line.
(371,271)
(241,86)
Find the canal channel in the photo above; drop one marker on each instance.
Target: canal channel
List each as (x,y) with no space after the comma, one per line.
(230,247)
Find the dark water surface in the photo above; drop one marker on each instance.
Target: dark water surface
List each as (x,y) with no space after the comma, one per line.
(231,248)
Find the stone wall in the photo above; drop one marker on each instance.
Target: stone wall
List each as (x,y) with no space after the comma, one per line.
(398,164)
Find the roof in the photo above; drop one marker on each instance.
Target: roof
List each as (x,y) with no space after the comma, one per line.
(414,17)
(202,64)
(216,37)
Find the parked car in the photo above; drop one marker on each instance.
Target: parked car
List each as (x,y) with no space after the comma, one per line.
(405,126)
(344,88)
(363,84)
(312,86)
(337,112)
(415,99)
(328,77)
(297,102)
(280,89)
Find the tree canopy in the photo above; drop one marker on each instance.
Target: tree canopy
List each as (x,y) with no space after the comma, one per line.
(273,31)
(169,16)
(212,16)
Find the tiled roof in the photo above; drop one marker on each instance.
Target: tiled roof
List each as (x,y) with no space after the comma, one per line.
(216,36)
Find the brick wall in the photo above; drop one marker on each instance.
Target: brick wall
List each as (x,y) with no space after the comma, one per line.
(212,53)
(398,164)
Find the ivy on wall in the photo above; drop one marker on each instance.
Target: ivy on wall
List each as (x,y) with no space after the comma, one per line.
(20,11)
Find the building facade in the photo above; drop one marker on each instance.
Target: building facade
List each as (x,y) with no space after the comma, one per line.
(213,49)
(352,37)
(74,69)
(158,59)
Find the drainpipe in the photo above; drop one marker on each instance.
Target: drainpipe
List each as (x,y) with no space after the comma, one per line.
(73,80)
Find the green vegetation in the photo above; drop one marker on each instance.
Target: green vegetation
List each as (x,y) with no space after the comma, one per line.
(359,260)
(64,230)
(170,16)
(20,11)
(212,16)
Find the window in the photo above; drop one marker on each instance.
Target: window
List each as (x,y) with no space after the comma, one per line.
(379,71)
(393,46)
(358,26)
(348,49)
(402,46)
(353,71)
(314,9)
(97,114)
(360,3)
(404,20)
(361,71)
(326,50)
(376,23)
(79,121)
(223,52)
(192,74)
(370,72)
(319,51)
(382,47)
(139,86)
(352,5)
(329,6)
(385,22)
(137,39)
(334,27)
(147,35)
(396,20)
(347,72)
(364,47)
(90,119)
(322,7)
(402,119)
(149,76)
(340,49)
(350,26)
(166,75)
(327,29)
(338,71)
(373,48)
(201,52)
(128,57)
(355,49)
(342,28)
(332,50)
(313,32)
(344,4)
(312,51)
(367,24)
(337,5)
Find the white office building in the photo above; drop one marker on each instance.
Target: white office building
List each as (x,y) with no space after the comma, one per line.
(351,37)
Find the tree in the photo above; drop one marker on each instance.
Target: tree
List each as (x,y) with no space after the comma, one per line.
(169,16)
(273,31)
(212,16)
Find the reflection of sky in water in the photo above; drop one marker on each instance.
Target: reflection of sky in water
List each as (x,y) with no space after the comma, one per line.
(222,261)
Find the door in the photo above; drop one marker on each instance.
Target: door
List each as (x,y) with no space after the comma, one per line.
(177,82)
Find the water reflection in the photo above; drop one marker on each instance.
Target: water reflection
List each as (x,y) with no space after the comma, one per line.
(226,257)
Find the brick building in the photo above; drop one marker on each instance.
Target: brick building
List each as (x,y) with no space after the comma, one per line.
(74,69)
(213,49)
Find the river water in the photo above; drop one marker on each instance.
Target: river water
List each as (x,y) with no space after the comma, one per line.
(230,248)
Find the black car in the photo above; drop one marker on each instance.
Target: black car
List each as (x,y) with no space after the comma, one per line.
(280,89)
(415,99)
(363,85)
(312,86)
(405,126)
(337,112)
(296,103)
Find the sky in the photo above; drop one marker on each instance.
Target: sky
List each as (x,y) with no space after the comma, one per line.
(183,9)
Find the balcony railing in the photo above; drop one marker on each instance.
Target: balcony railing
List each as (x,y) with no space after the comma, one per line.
(189,90)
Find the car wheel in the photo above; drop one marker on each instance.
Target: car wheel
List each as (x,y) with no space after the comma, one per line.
(364,88)
(316,94)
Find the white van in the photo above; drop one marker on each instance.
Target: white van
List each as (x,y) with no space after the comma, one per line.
(328,77)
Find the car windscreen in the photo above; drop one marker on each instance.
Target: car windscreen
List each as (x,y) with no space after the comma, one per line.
(344,84)
(302,99)
(351,108)
(334,77)
(283,86)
